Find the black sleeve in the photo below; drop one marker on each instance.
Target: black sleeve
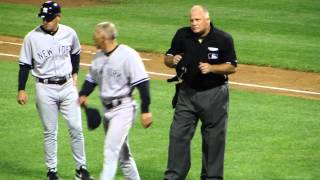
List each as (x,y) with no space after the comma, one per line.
(144,91)
(23,76)
(87,88)
(176,44)
(229,53)
(75,61)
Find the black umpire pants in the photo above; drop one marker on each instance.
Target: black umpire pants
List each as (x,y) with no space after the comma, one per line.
(211,107)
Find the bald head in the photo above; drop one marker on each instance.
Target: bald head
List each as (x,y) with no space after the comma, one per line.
(200,9)
(200,20)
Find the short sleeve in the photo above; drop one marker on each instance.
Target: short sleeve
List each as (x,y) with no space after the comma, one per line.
(26,52)
(136,69)
(75,47)
(176,44)
(228,53)
(93,75)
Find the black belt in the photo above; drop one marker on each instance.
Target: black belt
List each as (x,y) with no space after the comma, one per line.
(115,102)
(55,80)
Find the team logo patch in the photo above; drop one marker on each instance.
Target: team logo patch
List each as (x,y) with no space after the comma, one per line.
(45,10)
(213,53)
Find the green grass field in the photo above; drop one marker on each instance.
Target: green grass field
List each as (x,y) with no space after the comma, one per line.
(270,137)
(279,33)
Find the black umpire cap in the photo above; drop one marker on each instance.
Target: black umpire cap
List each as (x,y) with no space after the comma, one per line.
(49,10)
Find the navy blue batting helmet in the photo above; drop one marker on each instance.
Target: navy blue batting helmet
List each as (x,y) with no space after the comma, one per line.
(49,10)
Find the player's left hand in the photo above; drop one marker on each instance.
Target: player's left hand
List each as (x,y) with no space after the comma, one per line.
(75,79)
(205,68)
(146,119)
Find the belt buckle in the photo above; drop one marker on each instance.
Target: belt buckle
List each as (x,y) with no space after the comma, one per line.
(115,102)
(46,81)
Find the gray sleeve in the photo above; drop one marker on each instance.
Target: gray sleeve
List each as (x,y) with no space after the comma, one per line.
(26,52)
(93,75)
(136,69)
(75,47)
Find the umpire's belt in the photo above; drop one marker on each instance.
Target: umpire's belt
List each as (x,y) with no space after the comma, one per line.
(54,80)
(117,102)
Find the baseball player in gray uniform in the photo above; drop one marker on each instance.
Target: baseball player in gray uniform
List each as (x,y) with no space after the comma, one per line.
(117,69)
(52,52)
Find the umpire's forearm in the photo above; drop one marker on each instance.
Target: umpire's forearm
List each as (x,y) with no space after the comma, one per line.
(223,68)
(168,61)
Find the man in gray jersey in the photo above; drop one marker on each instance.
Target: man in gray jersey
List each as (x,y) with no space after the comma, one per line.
(117,70)
(52,52)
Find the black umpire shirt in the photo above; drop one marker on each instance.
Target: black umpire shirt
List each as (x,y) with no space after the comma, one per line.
(215,48)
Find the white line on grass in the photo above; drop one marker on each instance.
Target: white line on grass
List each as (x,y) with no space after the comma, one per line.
(234,83)
(84,51)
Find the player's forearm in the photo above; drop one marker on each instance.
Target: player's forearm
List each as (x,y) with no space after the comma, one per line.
(87,88)
(75,61)
(144,91)
(168,61)
(223,68)
(23,76)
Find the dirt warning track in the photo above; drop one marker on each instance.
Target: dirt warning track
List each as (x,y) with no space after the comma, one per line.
(250,78)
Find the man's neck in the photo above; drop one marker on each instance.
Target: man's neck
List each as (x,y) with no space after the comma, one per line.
(206,32)
(49,31)
(110,48)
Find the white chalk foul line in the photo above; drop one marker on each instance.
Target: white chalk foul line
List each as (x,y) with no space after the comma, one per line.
(12,43)
(234,83)
(240,84)
(274,88)
(84,51)
(9,55)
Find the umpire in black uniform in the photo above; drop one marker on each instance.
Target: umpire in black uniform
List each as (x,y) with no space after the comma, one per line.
(203,56)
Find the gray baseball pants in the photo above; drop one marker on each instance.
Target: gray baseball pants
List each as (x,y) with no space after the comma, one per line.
(50,100)
(211,107)
(116,147)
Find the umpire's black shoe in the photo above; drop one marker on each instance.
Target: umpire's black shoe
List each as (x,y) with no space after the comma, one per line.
(83,174)
(52,175)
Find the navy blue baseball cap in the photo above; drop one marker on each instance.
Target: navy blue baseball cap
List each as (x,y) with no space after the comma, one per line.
(49,10)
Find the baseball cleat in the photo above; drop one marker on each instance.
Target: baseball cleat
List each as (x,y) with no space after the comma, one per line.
(83,174)
(52,175)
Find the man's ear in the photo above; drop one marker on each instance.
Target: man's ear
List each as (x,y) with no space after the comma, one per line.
(59,18)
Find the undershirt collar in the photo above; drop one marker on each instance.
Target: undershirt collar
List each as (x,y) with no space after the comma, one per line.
(109,53)
(52,33)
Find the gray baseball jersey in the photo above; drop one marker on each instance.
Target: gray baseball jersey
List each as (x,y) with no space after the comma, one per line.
(50,55)
(118,73)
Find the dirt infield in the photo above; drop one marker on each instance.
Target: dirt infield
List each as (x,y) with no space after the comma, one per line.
(250,78)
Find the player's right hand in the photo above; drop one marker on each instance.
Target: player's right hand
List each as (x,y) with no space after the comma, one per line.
(83,100)
(22,97)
